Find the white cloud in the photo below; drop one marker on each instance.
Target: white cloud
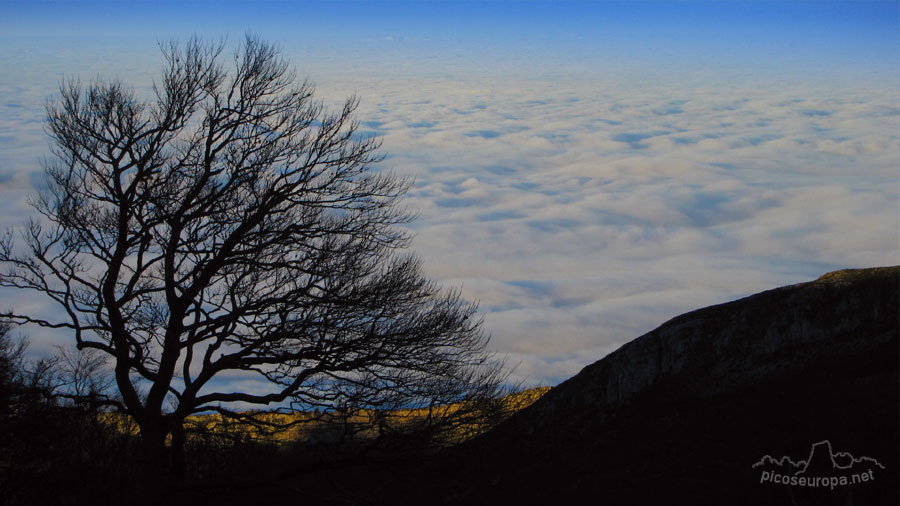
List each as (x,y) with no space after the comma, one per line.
(583,210)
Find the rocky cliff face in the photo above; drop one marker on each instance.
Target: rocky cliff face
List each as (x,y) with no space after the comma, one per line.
(681,413)
(726,347)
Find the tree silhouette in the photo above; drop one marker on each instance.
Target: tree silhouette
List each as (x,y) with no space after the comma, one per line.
(234,226)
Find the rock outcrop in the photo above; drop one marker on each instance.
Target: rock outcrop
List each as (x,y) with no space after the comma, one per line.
(728,346)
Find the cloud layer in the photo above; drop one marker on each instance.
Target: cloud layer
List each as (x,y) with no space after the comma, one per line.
(579,205)
(581,213)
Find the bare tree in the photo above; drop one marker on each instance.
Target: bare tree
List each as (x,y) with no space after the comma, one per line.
(233,225)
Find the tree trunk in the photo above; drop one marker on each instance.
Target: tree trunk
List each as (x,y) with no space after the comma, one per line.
(153,448)
(154,476)
(177,460)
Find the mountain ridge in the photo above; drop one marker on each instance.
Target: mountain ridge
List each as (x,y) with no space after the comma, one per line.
(627,379)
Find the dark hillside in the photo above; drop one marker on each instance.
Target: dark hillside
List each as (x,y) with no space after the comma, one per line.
(681,414)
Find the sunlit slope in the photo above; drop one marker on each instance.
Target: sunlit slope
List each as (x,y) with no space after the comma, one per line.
(453,423)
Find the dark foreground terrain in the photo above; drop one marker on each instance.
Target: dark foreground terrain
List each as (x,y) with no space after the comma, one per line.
(717,406)
(679,416)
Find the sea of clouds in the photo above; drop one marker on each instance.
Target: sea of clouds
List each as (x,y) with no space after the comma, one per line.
(580,203)
(584,207)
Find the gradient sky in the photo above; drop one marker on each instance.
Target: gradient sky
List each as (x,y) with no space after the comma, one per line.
(584,170)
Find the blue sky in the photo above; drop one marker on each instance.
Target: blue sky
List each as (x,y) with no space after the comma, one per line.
(782,30)
(584,170)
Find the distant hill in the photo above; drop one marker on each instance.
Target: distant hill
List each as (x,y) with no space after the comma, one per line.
(304,427)
(681,414)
